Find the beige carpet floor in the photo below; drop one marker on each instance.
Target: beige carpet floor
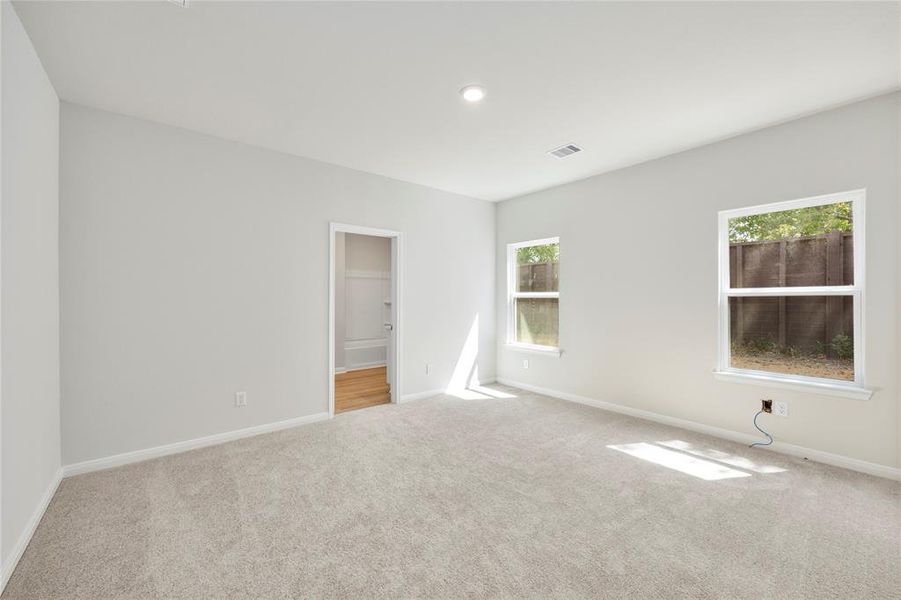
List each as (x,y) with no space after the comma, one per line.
(486,498)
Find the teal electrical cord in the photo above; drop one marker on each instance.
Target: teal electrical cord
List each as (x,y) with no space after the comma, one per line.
(769,437)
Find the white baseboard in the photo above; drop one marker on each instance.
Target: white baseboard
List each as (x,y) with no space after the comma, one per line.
(19,549)
(439,392)
(828,458)
(367,365)
(211,440)
(362,366)
(421,395)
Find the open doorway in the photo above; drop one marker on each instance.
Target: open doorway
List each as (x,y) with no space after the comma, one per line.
(364,317)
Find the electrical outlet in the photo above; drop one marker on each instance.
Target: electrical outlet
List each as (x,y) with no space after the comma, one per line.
(780,408)
(766,406)
(428,368)
(525,363)
(240,399)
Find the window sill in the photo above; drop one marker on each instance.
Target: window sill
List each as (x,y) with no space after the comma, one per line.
(813,387)
(546,350)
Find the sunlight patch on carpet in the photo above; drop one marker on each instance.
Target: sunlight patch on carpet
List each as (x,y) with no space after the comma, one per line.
(684,463)
(723,457)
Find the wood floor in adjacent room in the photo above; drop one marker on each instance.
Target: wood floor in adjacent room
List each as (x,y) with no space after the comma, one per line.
(361,389)
(504,494)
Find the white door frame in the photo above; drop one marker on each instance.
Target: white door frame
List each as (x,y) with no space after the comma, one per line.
(397,261)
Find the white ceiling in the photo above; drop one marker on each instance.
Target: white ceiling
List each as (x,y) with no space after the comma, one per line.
(373,86)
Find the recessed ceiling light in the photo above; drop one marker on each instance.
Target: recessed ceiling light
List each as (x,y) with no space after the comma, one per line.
(473,93)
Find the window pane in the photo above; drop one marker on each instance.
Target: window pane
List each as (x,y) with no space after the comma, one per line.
(537,268)
(801,247)
(537,321)
(796,335)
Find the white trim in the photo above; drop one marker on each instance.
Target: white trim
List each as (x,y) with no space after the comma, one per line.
(859,216)
(362,343)
(363,230)
(422,395)
(828,458)
(528,243)
(363,366)
(441,392)
(724,359)
(397,256)
(343,370)
(831,290)
(210,440)
(812,385)
(848,196)
(358,274)
(22,543)
(534,349)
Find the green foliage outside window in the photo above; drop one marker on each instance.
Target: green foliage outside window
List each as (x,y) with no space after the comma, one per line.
(787,224)
(538,254)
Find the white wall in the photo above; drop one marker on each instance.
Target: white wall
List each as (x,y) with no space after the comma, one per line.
(368,253)
(193,267)
(638,323)
(29,301)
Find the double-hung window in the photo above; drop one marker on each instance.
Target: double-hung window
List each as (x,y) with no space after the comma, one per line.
(533,295)
(791,293)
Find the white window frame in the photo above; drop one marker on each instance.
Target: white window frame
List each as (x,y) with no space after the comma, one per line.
(834,387)
(513,295)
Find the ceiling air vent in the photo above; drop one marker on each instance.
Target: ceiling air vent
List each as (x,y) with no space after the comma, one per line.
(564,151)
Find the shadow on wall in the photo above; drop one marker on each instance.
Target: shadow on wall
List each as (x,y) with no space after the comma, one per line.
(464,382)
